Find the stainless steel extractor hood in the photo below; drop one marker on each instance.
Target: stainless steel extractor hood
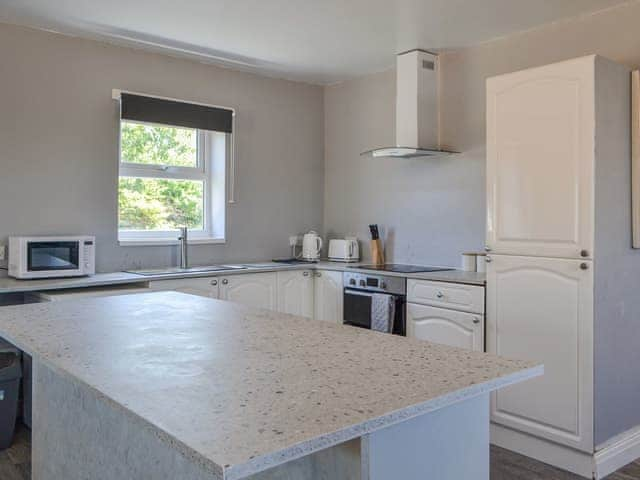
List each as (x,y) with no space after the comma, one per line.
(417,125)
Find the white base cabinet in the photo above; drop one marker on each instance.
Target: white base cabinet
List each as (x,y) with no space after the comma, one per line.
(258,290)
(447,313)
(295,292)
(328,296)
(307,293)
(449,327)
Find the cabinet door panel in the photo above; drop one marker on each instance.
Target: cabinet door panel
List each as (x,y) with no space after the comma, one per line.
(255,290)
(541,309)
(449,327)
(328,296)
(203,287)
(295,292)
(540,160)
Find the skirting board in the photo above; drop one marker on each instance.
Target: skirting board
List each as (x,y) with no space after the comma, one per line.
(610,456)
(617,452)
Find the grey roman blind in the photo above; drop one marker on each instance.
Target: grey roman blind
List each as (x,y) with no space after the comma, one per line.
(179,114)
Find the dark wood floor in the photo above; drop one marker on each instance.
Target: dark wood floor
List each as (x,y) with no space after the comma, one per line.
(505,465)
(15,461)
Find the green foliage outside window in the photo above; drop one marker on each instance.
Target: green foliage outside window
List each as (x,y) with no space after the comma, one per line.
(159,203)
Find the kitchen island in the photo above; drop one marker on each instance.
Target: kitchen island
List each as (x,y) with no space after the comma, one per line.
(167,385)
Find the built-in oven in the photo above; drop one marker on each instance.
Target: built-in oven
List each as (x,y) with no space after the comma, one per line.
(360,290)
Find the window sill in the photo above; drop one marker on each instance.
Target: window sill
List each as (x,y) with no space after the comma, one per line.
(159,242)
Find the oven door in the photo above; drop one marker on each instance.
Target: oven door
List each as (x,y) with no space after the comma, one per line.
(357,310)
(53,256)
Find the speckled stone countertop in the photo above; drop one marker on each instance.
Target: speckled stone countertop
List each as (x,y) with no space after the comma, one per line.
(240,389)
(11,285)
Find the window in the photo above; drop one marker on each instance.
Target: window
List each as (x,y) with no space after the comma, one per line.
(170,176)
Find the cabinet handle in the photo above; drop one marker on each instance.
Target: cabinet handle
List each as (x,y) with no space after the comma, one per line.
(487,259)
(476,320)
(584,266)
(214,282)
(439,295)
(584,253)
(306,274)
(225,281)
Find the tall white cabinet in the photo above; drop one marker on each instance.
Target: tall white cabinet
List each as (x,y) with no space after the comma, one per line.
(541,309)
(540,161)
(550,131)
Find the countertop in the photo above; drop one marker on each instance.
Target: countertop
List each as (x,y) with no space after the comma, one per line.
(241,389)
(12,285)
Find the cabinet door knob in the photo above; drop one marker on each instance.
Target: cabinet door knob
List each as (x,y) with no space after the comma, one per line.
(439,295)
(214,282)
(306,274)
(487,248)
(318,274)
(584,253)
(487,259)
(225,281)
(476,320)
(584,266)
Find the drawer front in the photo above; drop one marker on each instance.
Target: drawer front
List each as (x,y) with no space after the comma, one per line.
(456,296)
(448,327)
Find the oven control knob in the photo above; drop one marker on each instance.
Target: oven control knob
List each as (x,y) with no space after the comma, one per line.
(363,283)
(352,281)
(383,286)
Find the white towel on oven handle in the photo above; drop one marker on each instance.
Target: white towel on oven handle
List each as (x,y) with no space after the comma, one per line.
(383,311)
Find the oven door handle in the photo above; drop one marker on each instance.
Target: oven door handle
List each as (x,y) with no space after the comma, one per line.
(365,294)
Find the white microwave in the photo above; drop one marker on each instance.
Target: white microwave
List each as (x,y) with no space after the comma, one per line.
(50,257)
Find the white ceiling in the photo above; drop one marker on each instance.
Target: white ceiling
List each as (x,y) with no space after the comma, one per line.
(319,41)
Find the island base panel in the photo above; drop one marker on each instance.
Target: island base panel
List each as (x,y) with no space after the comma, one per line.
(447,444)
(78,435)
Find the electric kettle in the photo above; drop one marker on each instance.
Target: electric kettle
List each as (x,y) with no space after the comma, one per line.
(311,246)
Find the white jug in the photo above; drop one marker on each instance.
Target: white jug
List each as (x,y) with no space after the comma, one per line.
(311,246)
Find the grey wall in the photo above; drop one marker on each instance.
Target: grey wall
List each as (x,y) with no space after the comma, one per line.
(436,208)
(430,210)
(59,151)
(617,266)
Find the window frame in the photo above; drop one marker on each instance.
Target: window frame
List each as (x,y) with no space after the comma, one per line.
(203,171)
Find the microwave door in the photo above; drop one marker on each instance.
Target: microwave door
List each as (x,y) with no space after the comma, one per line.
(53,256)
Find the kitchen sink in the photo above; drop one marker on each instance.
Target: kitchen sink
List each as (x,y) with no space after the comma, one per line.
(178,270)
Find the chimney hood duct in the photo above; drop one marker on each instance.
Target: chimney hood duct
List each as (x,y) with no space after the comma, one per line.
(417,125)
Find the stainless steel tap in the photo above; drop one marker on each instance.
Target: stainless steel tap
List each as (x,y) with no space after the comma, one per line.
(184,258)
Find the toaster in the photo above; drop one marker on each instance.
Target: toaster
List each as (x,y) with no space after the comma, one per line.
(344,250)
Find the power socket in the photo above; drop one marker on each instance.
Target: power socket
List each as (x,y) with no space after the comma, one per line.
(294,240)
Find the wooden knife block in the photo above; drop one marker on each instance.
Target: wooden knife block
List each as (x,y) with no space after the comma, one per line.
(377,253)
